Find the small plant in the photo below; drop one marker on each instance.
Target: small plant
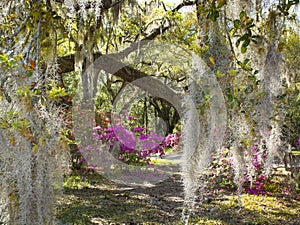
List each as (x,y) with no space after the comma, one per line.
(221,173)
(171,142)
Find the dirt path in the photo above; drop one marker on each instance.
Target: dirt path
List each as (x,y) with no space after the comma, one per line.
(120,204)
(96,200)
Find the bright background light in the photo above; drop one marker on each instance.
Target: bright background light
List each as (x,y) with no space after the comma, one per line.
(174,3)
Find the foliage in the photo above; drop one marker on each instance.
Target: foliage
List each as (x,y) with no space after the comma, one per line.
(243,29)
(56,93)
(291,51)
(220,173)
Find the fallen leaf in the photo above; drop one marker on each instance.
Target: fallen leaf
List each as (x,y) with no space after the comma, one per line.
(26,67)
(212,60)
(32,64)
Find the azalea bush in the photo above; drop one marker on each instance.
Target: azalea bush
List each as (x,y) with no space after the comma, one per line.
(221,172)
(133,146)
(131,143)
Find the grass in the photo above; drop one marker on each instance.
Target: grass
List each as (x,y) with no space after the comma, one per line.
(258,210)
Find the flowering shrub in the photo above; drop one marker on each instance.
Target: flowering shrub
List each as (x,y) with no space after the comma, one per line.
(260,179)
(130,143)
(221,173)
(133,146)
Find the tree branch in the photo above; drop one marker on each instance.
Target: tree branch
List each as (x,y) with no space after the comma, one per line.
(161,29)
(144,81)
(184,3)
(134,46)
(106,5)
(20,28)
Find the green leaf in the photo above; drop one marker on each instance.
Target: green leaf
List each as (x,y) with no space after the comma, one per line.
(246,61)
(232,72)
(238,41)
(221,3)
(249,22)
(219,74)
(262,94)
(230,97)
(216,14)
(243,38)
(248,68)
(236,24)
(251,78)
(249,32)
(249,89)
(29,73)
(246,43)
(298,98)
(56,92)
(243,49)
(242,15)
(213,15)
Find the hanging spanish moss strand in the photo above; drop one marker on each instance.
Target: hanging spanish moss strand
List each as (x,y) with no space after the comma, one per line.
(270,114)
(202,134)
